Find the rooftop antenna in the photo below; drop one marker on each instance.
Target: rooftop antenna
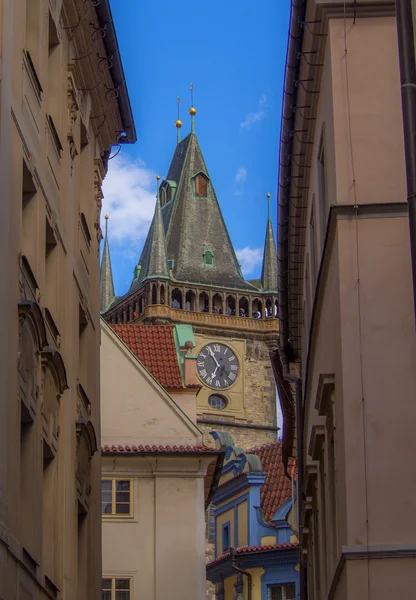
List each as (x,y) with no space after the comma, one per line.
(178,123)
(192,110)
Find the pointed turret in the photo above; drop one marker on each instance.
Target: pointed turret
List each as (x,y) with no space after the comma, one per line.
(269,269)
(107,295)
(158,264)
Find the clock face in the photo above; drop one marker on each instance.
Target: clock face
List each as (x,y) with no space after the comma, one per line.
(217,366)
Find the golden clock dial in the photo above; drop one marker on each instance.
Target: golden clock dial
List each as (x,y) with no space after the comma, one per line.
(217,366)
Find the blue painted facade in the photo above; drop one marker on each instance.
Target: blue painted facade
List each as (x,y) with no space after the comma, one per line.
(238,510)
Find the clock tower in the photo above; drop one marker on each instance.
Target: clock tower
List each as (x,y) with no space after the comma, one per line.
(188,273)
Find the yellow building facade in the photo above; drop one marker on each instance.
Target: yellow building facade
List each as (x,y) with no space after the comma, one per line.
(57,80)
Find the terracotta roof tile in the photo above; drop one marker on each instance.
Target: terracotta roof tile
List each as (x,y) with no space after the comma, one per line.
(254,549)
(167,449)
(155,348)
(277,488)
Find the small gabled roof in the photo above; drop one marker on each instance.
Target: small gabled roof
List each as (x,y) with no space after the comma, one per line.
(155,347)
(277,488)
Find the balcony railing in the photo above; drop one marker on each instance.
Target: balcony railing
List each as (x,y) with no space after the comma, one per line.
(210,320)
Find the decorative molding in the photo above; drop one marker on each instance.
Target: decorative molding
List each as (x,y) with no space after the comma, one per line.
(316,441)
(51,358)
(29,309)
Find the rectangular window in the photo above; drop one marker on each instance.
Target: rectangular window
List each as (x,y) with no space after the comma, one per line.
(226,537)
(285,591)
(116,497)
(116,588)
(322,187)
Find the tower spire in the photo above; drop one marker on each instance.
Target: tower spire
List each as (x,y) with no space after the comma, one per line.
(158,263)
(178,123)
(107,295)
(269,268)
(192,110)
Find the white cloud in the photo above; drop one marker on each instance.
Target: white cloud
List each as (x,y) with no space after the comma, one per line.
(241,175)
(129,200)
(253,117)
(249,259)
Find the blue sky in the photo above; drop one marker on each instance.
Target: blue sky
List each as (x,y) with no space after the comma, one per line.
(234,53)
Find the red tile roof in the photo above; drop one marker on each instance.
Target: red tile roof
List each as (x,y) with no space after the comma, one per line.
(277,488)
(166,449)
(155,347)
(253,550)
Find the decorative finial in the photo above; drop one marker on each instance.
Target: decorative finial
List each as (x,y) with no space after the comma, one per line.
(192,110)
(178,122)
(268,207)
(106,224)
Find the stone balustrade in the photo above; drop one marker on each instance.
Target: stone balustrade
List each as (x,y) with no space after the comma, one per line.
(209,319)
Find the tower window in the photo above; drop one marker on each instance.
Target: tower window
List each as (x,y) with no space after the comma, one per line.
(208,257)
(217,402)
(201,186)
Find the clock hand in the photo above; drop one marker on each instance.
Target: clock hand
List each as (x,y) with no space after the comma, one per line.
(213,356)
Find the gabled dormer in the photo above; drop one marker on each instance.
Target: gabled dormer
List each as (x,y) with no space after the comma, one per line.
(167,192)
(200,186)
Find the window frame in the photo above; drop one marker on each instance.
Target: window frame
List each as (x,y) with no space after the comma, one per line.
(195,185)
(226,532)
(204,258)
(114,515)
(283,585)
(113,579)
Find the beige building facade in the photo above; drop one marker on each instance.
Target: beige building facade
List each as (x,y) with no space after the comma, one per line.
(157,479)
(54,147)
(345,301)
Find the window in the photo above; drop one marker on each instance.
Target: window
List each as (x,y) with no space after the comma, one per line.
(217,402)
(171,263)
(201,186)
(116,497)
(116,588)
(285,591)
(208,257)
(226,537)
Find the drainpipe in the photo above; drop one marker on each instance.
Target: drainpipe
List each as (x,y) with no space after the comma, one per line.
(299,459)
(246,573)
(406,43)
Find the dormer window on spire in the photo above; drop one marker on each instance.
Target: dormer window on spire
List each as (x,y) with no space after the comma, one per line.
(208,257)
(167,192)
(200,185)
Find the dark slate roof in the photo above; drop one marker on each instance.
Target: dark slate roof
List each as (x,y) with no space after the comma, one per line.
(193,225)
(269,269)
(107,295)
(158,265)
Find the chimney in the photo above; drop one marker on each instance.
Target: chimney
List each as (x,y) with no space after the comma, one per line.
(189,365)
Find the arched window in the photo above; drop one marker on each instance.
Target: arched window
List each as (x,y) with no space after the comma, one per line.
(243,307)
(162,196)
(154,294)
(176,298)
(190,300)
(230,305)
(208,257)
(203,302)
(217,304)
(201,186)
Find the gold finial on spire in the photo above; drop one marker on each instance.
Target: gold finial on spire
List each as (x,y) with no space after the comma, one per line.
(192,110)
(106,224)
(268,207)
(178,122)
